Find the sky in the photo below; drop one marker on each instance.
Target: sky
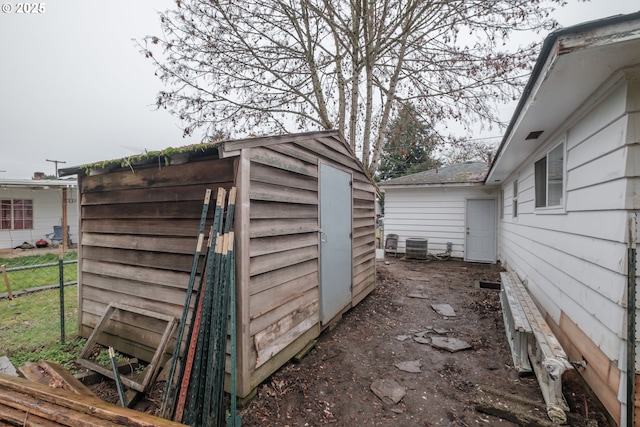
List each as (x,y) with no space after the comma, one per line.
(74,87)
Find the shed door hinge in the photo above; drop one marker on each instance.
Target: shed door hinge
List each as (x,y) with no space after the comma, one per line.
(351,235)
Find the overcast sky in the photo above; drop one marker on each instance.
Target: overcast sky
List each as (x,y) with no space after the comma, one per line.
(74,88)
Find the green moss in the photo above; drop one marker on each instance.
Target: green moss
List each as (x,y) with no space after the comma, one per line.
(163,156)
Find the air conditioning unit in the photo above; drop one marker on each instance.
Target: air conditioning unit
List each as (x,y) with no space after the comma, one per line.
(416,248)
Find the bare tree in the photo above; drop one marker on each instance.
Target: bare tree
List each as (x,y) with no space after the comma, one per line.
(263,66)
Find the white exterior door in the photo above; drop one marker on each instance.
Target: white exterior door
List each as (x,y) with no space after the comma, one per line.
(335,241)
(480,241)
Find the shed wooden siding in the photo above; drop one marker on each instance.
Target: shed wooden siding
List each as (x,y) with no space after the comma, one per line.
(574,261)
(283,308)
(436,213)
(138,236)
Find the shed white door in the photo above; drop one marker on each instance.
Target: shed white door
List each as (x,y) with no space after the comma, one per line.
(480,242)
(335,241)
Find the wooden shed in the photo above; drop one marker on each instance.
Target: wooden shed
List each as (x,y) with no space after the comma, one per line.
(305,241)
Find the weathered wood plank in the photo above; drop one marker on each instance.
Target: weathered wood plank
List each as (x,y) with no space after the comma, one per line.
(279,193)
(281,227)
(199,172)
(98,409)
(180,191)
(155,227)
(160,261)
(245,355)
(65,378)
(164,296)
(289,337)
(601,374)
(336,158)
(364,250)
(275,210)
(170,210)
(271,158)
(263,372)
(17,417)
(271,175)
(124,346)
(270,262)
(269,318)
(363,185)
(363,195)
(275,296)
(362,294)
(147,330)
(270,245)
(295,152)
(177,245)
(363,231)
(364,222)
(365,265)
(140,274)
(158,298)
(364,240)
(363,280)
(277,330)
(268,280)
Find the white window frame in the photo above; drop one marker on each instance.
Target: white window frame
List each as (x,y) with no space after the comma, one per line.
(542,207)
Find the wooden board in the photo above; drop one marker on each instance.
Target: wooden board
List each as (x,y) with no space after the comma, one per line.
(277,277)
(275,296)
(154,364)
(275,261)
(39,400)
(199,172)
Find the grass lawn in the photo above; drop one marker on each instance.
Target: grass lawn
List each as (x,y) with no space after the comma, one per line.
(30,328)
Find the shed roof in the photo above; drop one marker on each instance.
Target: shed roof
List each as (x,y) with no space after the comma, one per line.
(458,174)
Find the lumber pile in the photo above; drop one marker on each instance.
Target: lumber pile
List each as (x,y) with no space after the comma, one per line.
(27,403)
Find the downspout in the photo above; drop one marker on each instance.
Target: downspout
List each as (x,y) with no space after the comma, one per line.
(631,318)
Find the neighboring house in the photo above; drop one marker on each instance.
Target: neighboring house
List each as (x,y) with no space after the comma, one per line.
(567,178)
(569,169)
(448,204)
(305,240)
(30,208)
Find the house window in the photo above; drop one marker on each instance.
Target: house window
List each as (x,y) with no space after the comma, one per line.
(549,178)
(16,214)
(515,199)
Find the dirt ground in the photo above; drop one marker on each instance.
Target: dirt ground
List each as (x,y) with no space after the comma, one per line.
(332,384)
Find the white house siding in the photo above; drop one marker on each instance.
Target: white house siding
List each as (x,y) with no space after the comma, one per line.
(436,213)
(47,212)
(574,261)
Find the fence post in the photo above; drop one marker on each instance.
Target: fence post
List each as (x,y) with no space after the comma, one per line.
(61,270)
(6,281)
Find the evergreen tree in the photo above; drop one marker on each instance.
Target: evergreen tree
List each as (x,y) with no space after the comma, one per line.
(409,143)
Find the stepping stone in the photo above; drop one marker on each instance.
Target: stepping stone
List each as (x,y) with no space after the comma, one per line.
(422,340)
(402,337)
(449,344)
(417,295)
(444,310)
(412,366)
(389,391)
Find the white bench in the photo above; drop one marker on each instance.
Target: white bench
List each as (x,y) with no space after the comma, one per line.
(533,344)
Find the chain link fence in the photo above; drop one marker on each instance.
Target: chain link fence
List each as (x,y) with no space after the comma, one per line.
(24,273)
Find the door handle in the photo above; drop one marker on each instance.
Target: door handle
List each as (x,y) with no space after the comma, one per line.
(323,235)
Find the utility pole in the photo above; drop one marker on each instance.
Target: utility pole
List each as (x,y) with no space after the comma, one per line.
(56,162)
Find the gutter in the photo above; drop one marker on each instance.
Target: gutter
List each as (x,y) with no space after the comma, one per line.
(545,53)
